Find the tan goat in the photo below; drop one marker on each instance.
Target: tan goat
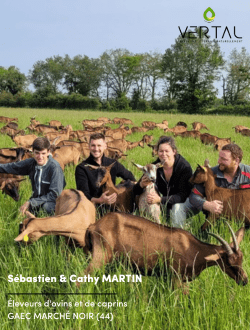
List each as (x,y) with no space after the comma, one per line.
(145,243)
(65,155)
(197,126)
(219,143)
(25,141)
(74,213)
(235,201)
(239,128)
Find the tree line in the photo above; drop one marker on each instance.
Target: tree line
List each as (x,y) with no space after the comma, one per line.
(182,78)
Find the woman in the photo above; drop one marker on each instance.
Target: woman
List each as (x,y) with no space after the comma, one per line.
(172,181)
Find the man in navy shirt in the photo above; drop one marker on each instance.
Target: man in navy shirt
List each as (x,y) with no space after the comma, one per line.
(86,178)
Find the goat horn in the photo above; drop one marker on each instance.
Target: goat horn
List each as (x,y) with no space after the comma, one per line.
(223,242)
(236,245)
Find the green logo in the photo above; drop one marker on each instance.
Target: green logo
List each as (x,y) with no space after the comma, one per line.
(209,19)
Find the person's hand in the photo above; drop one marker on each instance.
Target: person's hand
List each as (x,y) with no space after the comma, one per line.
(24,207)
(153,198)
(215,206)
(105,199)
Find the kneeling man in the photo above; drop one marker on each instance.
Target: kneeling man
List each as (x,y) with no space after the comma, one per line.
(46,177)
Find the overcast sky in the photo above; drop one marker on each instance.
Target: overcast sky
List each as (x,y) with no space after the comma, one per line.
(35,30)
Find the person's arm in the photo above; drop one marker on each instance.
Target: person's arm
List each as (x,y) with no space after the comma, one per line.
(17,168)
(123,173)
(82,182)
(55,189)
(198,201)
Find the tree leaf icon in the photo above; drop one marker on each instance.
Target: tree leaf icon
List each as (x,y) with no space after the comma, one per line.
(209,10)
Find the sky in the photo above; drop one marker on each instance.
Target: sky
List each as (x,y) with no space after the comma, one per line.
(35,30)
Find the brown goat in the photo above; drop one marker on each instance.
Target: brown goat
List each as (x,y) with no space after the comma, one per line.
(124,191)
(235,201)
(25,141)
(239,128)
(207,138)
(147,138)
(56,123)
(93,123)
(82,147)
(43,129)
(145,243)
(148,124)
(65,155)
(162,126)
(74,213)
(59,136)
(198,126)
(187,134)
(219,143)
(7,119)
(9,155)
(124,121)
(9,184)
(114,153)
(245,132)
(140,129)
(176,129)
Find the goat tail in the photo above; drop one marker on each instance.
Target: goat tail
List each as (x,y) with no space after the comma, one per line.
(88,240)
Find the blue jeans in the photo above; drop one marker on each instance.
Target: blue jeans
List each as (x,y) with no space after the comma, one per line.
(48,207)
(180,212)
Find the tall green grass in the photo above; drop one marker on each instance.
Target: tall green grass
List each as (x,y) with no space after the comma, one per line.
(215,301)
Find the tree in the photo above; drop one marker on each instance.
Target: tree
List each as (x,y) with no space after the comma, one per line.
(12,80)
(192,66)
(48,75)
(237,83)
(148,74)
(82,75)
(119,71)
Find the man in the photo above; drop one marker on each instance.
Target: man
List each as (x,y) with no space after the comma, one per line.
(46,177)
(86,177)
(230,173)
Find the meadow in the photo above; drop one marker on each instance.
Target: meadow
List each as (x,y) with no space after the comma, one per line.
(214,302)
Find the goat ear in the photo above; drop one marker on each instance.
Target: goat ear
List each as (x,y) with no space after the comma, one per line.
(206,163)
(239,235)
(21,236)
(140,167)
(203,168)
(212,257)
(110,166)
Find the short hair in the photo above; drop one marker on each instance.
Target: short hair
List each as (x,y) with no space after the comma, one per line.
(235,150)
(97,136)
(41,143)
(166,139)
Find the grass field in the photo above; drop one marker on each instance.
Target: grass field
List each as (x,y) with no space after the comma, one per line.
(215,300)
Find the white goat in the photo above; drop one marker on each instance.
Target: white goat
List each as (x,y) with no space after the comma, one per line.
(153,210)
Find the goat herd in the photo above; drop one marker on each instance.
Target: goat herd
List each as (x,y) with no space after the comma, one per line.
(142,240)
